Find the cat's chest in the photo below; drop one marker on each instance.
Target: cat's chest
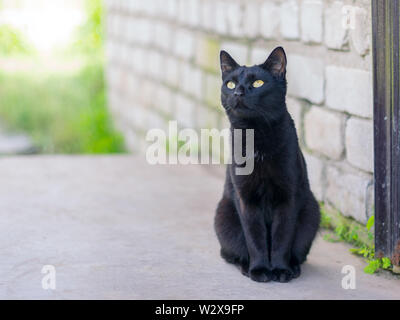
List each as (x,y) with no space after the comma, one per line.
(267,183)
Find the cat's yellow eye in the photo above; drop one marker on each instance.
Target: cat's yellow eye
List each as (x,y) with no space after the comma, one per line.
(258,83)
(231,85)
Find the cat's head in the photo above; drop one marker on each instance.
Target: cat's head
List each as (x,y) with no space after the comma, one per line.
(256,91)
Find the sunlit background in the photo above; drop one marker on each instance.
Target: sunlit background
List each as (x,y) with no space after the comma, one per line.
(52,92)
(46,23)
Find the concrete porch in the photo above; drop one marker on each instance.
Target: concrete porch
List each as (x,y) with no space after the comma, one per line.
(115,227)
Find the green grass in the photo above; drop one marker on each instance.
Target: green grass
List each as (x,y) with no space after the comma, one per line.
(62,112)
(350,231)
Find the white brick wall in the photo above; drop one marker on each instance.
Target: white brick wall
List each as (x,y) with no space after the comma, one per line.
(251,19)
(316,177)
(184,44)
(361,34)
(290,20)
(191,80)
(311,21)
(163,64)
(207,14)
(235,18)
(359,143)
(269,20)
(323,132)
(296,112)
(306,78)
(185,111)
(172,71)
(336,35)
(349,90)
(221,21)
(348,192)
(212,90)
(238,51)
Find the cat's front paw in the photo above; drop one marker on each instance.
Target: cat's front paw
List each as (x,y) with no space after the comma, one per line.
(283,275)
(296,271)
(260,275)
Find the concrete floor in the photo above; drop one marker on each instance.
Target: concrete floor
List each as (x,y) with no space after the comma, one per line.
(118,228)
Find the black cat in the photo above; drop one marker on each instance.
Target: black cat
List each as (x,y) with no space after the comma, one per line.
(267,220)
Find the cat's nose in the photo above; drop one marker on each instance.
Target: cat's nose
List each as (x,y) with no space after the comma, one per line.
(239,91)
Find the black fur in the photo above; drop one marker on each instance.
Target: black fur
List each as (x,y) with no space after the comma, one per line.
(265,221)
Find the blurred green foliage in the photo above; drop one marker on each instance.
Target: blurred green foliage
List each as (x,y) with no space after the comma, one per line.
(63,113)
(13,42)
(89,36)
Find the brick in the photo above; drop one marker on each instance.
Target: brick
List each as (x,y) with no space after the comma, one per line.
(188,12)
(251,19)
(192,80)
(172,71)
(207,11)
(150,8)
(258,55)
(235,18)
(315,170)
(124,54)
(124,33)
(192,12)
(109,4)
(359,143)
(155,120)
(269,22)
(207,53)
(348,192)
(143,31)
(136,117)
(206,118)
(238,51)
(213,90)
(289,15)
(133,7)
(306,78)
(146,93)
(182,12)
(370,199)
(224,122)
(132,140)
(113,102)
(139,60)
(336,32)
(221,22)
(311,13)
(360,35)
(185,111)
(110,51)
(323,132)
(109,25)
(131,84)
(163,99)
(184,44)
(155,63)
(349,90)
(124,6)
(295,109)
(171,8)
(163,36)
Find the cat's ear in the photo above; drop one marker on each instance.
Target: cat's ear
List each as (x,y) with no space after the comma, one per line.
(227,62)
(276,62)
